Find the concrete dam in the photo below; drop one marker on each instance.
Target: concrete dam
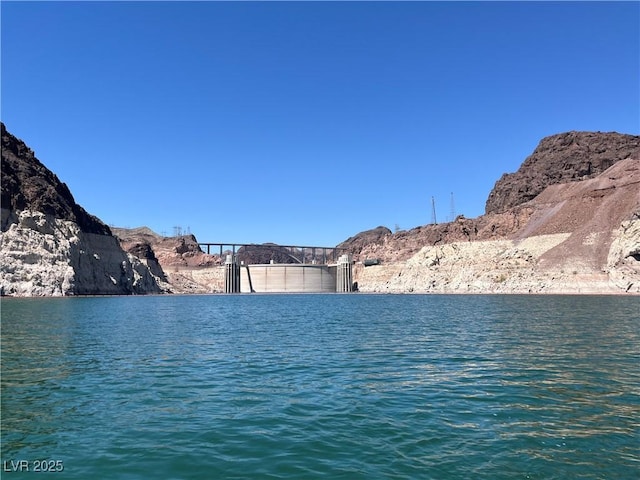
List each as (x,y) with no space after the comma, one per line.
(300,277)
(288,277)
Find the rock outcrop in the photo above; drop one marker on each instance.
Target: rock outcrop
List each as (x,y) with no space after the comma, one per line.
(179,251)
(561,158)
(28,185)
(623,261)
(49,245)
(368,238)
(568,221)
(579,233)
(184,266)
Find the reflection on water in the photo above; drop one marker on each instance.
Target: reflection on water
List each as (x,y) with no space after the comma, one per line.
(344,386)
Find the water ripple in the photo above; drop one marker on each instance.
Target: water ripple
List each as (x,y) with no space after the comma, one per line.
(324,386)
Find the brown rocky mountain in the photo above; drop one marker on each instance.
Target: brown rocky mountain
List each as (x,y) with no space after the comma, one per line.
(184,266)
(562,158)
(266,253)
(368,238)
(52,246)
(567,221)
(28,185)
(179,251)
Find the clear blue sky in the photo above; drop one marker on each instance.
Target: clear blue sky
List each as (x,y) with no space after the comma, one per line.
(305,123)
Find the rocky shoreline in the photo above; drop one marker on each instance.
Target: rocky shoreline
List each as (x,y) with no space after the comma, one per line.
(581,237)
(49,245)
(494,266)
(567,222)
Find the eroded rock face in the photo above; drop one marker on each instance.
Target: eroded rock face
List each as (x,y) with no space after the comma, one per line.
(45,256)
(623,262)
(368,238)
(400,246)
(49,245)
(178,261)
(168,252)
(562,158)
(576,237)
(28,185)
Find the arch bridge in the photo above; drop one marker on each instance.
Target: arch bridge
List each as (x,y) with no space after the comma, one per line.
(299,253)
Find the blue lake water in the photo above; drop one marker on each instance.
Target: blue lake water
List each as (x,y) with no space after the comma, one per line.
(322,386)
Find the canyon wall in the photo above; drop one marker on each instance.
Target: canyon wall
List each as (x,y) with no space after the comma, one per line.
(573,229)
(49,245)
(568,221)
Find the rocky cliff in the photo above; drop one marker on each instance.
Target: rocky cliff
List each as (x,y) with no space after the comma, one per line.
(567,222)
(49,245)
(562,158)
(184,266)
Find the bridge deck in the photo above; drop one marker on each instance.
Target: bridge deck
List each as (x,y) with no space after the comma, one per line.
(300,253)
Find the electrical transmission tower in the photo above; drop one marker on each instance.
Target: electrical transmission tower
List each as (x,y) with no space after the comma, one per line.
(453,209)
(434,221)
